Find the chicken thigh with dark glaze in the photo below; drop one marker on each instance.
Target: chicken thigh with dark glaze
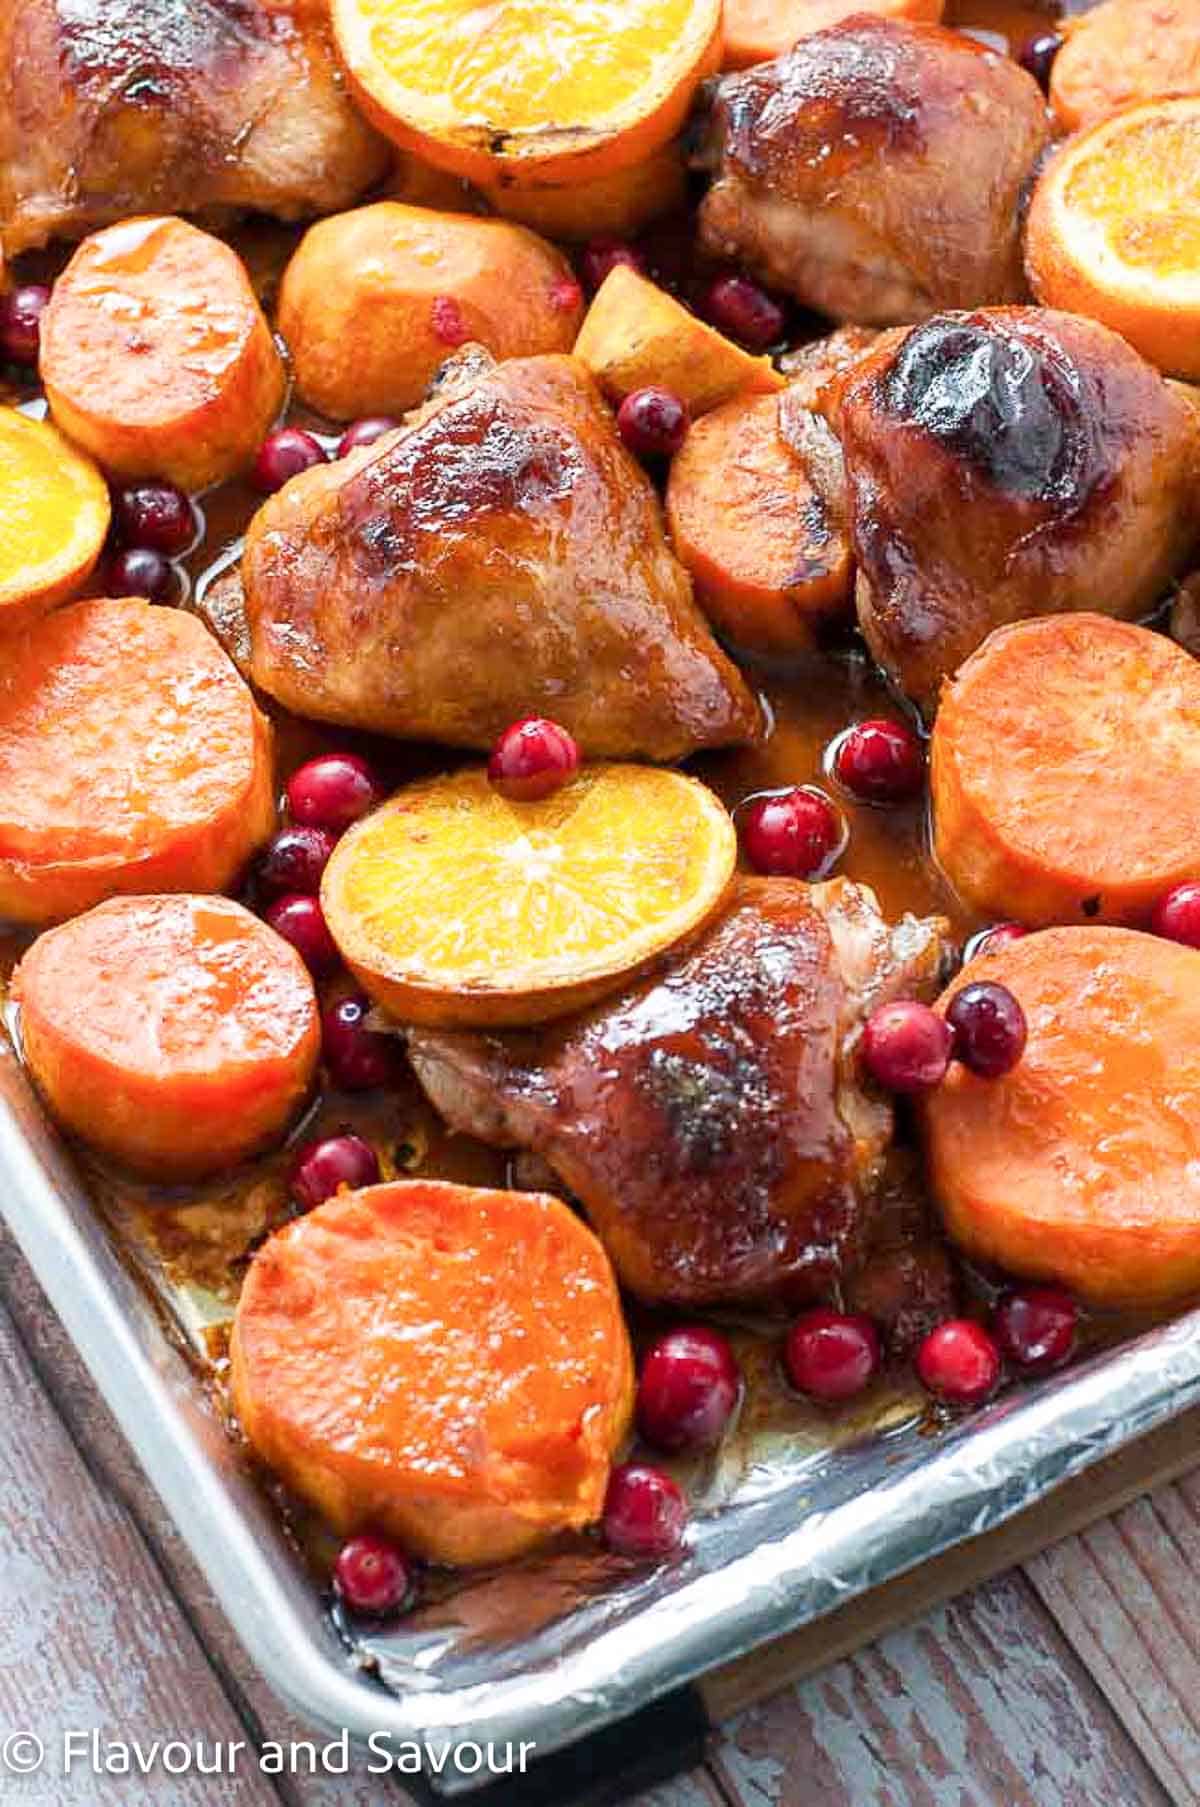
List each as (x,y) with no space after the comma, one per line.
(501,555)
(115,107)
(1007,463)
(876,172)
(710,1119)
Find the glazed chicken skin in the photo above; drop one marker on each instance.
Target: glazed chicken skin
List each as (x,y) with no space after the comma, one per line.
(118,107)
(501,555)
(710,1118)
(1007,463)
(876,171)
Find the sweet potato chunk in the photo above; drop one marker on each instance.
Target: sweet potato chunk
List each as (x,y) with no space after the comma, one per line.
(618,204)
(765,556)
(635,333)
(375,301)
(156,355)
(54,514)
(445,1362)
(1082,1165)
(757,30)
(132,758)
(177,1034)
(1122,52)
(1066,771)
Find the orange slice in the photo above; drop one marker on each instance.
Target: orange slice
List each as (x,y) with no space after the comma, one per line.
(1114,230)
(455,906)
(54,513)
(528,91)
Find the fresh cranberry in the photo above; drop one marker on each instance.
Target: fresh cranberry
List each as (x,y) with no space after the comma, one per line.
(602,256)
(301,921)
(21,311)
(532,759)
(989,1029)
(372,1576)
(293,860)
(282,455)
(990,941)
(1036,56)
(1036,1328)
(906,1046)
(794,833)
(140,571)
(448,322)
(322,1168)
(645,1514)
(1177,915)
(365,432)
(358,1058)
(653,422)
(565,295)
(332,791)
(687,1389)
(156,515)
(958,1362)
(831,1355)
(880,761)
(747,313)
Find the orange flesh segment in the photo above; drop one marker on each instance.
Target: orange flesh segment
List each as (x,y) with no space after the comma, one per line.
(54,515)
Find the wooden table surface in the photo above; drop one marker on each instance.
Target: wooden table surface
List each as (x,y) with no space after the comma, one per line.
(1073,1681)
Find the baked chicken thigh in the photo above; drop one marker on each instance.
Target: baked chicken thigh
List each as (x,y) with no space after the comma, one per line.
(876,171)
(1006,463)
(499,556)
(115,107)
(710,1118)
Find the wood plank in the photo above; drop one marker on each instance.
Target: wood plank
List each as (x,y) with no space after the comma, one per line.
(89,1637)
(980,1702)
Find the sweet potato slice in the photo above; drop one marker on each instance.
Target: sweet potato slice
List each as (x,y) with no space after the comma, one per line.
(132,758)
(54,514)
(1121,52)
(766,558)
(635,333)
(176,1034)
(757,30)
(1066,771)
(375,301)
(156,356)
(1082,1165)
(616,205)
(445,1362)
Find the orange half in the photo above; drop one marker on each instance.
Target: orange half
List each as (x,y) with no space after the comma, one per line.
(528,91)
(54,513)
(455,906)
(1114,230)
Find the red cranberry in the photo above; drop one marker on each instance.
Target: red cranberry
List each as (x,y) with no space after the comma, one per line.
(565,295)
(358,1058)
(1036,1328)
(653,422)
(139,571)
(906,1046)
(282,455)
(603,255)
(365,432)
(322,1168)
(831,1355)
(958,1362)
(1036,56)
(448,322)
(989,1029)
(332,791)
(301,921)
(21,311)
(687,1389)
(747,313)
(293,860)
(645,1514)
(880,761)
(532,759)
(1177,915)
(795,833)
(990,941)
(372,1576)
(156,515)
